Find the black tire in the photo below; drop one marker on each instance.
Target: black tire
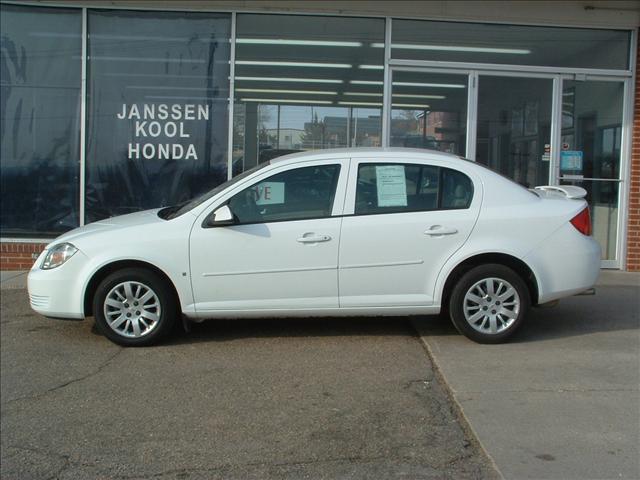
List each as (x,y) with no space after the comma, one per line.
(506,317)
(153,322)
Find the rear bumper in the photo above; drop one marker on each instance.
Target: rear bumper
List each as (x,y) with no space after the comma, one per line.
(567,263)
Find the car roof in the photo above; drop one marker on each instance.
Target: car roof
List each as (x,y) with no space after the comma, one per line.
(370,152)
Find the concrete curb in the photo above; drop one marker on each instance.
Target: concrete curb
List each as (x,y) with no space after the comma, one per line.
(458,410)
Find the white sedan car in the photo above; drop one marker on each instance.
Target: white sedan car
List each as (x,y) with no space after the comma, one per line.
(329,233)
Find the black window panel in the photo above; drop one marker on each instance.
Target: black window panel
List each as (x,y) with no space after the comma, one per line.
(296,194)
(40,80)
(173,67)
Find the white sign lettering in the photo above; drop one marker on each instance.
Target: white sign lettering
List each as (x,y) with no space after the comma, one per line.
(151,121)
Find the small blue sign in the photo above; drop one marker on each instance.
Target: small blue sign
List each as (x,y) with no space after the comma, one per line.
(571,161)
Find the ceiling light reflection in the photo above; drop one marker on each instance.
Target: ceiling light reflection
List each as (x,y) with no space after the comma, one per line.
(285,100)
(431,85)
(365,82)
(293,64)
(267,90)
(283,41)
(455,48)
(288,79)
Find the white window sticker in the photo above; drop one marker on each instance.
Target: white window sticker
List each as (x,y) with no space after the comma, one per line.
(392,186)
(270,193)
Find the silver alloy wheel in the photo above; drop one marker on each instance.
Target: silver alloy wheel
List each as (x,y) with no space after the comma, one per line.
(491,305)
(132,309)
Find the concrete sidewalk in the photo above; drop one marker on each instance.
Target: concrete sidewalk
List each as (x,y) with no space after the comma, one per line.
(561,400)
(13,280)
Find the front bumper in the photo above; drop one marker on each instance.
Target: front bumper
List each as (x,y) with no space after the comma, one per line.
(57,293)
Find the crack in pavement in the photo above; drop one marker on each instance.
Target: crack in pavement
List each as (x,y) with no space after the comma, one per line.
(59,456)
(352,458)
(65,458)
(69,463)
(69,382)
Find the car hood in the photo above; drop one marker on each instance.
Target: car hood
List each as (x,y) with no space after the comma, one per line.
(130,220)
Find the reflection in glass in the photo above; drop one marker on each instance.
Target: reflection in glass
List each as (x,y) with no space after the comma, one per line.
(39,114)
(510,44)
(603,203)
(429,110)
(157,109)
(595,126)
(305,83)
(514,127)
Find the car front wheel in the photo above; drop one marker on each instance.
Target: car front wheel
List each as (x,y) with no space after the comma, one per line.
(134,307)
(489,303)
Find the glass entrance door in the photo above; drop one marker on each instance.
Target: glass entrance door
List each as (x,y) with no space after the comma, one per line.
(514,127)
(591,140)
(429,110)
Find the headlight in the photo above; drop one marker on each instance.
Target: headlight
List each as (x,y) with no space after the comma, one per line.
(57,255)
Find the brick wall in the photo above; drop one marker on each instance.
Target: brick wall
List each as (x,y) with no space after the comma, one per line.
(633,232)
(19,256)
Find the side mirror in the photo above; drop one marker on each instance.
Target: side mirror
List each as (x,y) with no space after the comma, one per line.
(222,216)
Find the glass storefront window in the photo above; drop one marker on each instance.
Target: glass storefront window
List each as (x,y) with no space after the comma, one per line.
(158,89)
(40,68)
(514,127)
(429,110)
(158,95)
(510,44)
(305,83)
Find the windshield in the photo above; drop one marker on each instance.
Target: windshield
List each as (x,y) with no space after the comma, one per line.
(176,210)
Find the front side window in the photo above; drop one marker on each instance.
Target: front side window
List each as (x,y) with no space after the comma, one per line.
(297,194)
(393,188)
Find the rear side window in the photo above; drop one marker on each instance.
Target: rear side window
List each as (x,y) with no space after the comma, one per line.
(394,188)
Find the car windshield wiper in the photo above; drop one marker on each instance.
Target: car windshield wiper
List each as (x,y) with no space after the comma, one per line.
(168,213)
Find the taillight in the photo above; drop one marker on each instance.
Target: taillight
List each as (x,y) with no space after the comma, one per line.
(582,222)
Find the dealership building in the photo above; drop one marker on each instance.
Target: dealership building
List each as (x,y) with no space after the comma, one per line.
(111,107)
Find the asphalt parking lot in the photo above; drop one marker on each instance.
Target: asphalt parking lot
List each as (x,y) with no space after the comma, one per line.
(259,399)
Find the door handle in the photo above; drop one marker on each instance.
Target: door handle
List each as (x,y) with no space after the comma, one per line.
(313,238)
(439,230)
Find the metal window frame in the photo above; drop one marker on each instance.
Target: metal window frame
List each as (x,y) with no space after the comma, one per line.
(232,81)
(624,170)
(386,88)
(83,118)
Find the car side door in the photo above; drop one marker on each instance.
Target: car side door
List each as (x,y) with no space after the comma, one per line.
(281,250)
(403,220)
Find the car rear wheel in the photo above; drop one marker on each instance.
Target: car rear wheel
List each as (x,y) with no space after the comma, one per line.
(489,303)
(134,307)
